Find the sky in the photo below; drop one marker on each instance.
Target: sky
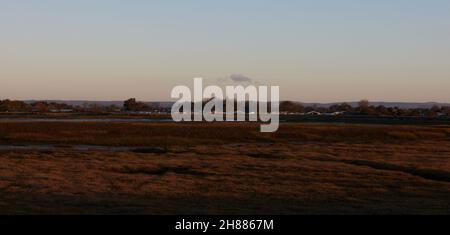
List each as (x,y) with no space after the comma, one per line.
(316,51)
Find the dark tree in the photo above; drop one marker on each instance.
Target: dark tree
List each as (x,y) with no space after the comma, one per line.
(291,107)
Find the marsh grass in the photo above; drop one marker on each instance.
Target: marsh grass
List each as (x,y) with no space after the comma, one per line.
(172,134)
(225,168)
(159,171)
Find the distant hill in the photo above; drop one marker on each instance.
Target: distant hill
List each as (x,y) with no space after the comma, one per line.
(168,104)
(403,105)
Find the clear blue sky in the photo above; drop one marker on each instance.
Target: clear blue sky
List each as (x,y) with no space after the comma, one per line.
(392,50)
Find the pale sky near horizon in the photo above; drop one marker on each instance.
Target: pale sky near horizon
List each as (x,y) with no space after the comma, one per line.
(316,51)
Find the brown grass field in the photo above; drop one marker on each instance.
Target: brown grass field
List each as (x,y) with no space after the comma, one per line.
(223,168)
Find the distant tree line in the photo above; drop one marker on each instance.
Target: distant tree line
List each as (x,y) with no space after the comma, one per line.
(130,105)
(40,106)
(365,108)
(286,107)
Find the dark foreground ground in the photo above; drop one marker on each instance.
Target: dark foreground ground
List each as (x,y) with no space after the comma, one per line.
(168,168)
